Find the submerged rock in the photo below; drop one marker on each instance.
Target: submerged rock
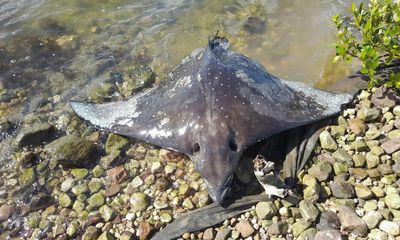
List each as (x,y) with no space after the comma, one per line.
(72,151)
(351,222)
(35,134)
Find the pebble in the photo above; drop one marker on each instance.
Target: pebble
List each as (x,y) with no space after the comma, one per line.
(327,141)
(390,227)
(245,228)
(223,234)
(208,234)
(377,234)
(308,210)
(67,184)
(392,200)
(391,146)
(342,189)
(351,222)
(328,235)
(6,211)
(265,210)
(299,226)
(328,221)
(372,219)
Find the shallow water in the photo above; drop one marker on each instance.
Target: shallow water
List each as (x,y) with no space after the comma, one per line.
(295,43)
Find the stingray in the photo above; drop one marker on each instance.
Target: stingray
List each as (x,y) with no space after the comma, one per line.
(214,105)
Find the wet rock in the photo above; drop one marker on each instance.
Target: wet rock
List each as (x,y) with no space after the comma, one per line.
(327,141)
(223,234)
(389,227)
(342,189)
(357,126)
(337,131)
(188,204)
(245,229)
(391,146)
(265,210)
(321,170)
(392,200)
(308,211)
(372,219)
(98,171)
(340,168)
(299,227)
(67,184)
(254,25)
(137,182)
(111,159)
(328,235)
(96,200)
(328,221)
(351,222)
(384,97)
(27,159)
(27,177)
(368,114)
(115,142)
(64,200)
(6,211)
(40,201)
(79,173)
(208,234)
(35,134)
(72,151)
(139,201)
(117,174)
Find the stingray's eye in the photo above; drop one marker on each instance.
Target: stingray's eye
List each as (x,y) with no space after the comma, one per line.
(233,145)
(196,149)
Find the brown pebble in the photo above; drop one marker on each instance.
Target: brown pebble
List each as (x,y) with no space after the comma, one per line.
(245,228)
(208,234)
(113,190)
(6,211)
(144,230)
(357,126)
(117,174)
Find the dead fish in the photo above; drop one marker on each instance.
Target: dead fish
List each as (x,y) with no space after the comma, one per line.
(214,105)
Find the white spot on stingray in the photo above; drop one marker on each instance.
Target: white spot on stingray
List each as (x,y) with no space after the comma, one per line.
(182,130)
(164,121)
(242,75)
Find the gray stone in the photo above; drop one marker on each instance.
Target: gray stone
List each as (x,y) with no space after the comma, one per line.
(72,151)
(342,189)
(6,211)
(389,227)
(307,234)
(363,192)
(377,234)
(328,235)
(299,227)
(372,219)
(308,211)
(341,155)
(67,184)
(384,97)
(265,210)
(372,160)
(327,141)
(328,221)
(368,114)
(351,222)
(391,146)
(392,200)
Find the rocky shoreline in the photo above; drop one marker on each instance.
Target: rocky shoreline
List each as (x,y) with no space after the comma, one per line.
(95,185)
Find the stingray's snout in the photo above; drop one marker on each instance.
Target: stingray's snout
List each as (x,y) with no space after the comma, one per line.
(218,193)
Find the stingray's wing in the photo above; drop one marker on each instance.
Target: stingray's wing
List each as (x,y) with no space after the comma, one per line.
(271,105)
(150,116)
